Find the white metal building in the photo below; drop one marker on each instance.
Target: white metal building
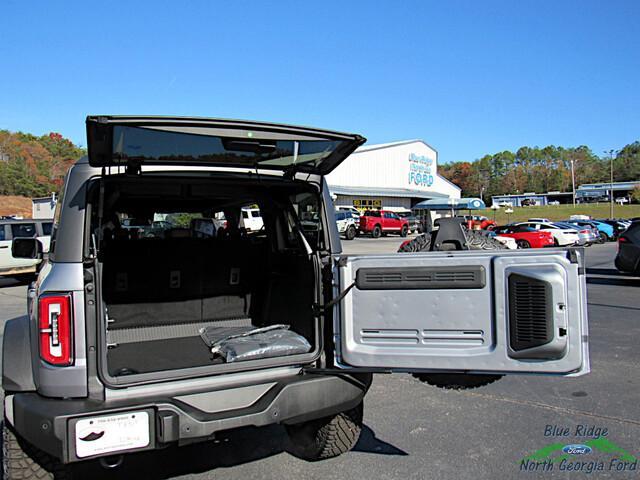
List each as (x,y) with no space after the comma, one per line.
(43,207)
(391,175)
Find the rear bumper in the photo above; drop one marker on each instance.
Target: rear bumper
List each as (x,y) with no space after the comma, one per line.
(49,424)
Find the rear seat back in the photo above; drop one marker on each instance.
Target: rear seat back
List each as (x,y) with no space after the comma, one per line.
(154,281)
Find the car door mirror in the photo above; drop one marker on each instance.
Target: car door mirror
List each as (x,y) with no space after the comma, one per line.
(30,248)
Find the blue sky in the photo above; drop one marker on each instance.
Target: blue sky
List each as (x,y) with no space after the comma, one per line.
(468,77)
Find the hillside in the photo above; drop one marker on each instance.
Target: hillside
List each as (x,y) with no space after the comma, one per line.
(15,205)
(32,166)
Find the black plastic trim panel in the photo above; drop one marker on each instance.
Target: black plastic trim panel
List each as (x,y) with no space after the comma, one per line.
(421,278)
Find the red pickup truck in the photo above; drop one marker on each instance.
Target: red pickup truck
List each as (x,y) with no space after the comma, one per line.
(379,222)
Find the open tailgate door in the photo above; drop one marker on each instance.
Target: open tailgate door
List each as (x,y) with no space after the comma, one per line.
(465,311)
(136,141)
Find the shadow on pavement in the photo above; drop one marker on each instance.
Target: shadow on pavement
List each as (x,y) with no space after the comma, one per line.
(605,271)
(369,443)
(14,281)
(619,281)
(612,306)
(230,449)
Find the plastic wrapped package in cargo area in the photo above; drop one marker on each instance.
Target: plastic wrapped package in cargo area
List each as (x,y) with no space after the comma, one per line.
(252,344)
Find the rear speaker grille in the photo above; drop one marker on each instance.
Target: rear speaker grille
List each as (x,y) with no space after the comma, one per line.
(530,312)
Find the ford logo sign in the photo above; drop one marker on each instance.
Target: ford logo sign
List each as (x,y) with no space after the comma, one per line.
(577,449)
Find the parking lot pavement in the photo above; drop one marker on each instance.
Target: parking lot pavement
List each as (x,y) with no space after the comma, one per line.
(416,431)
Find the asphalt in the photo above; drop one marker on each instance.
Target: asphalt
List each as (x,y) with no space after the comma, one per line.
(416,431)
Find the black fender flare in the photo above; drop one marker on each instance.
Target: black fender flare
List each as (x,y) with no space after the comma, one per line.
(17,369)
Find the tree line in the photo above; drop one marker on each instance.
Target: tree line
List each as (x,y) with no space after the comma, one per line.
(534,169)
(34,166)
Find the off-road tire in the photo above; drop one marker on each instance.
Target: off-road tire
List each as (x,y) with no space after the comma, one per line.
(21,460)
(376,232)
(456,381)
(350,234)
(523,244)
(326,437)
(404,231)
(475,241)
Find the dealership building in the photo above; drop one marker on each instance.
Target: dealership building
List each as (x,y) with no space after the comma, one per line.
(394,176)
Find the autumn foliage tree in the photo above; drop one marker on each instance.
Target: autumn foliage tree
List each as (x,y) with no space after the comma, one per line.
(534,169)
(34,166)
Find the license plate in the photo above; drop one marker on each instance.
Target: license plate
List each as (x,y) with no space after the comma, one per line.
(111,433)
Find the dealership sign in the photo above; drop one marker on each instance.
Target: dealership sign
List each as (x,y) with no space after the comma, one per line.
(420,172)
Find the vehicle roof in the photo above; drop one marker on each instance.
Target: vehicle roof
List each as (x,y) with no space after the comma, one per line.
(26,220)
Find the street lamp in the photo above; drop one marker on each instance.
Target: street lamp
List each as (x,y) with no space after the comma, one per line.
(573,183)
(610,153)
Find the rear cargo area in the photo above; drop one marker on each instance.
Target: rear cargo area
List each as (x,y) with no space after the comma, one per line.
(163,285)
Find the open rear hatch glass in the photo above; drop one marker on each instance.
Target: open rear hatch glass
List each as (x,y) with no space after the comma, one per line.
(136,141)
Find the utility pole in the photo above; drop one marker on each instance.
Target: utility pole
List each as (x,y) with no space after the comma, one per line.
(573,184)
(610,153)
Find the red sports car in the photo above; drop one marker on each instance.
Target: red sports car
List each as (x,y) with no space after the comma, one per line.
(526,237)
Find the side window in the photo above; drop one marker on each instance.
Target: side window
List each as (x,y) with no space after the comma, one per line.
(256,214)
(56,217)
(340,216)
(307,207)
(23,230)
(2,235)
(46,228)
(245,214)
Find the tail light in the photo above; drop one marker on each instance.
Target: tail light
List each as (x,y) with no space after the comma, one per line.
(622,240)
(584,231)
(55,326)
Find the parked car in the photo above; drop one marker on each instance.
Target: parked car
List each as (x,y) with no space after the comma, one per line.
(478,222)
(562,235)
(508,242)
(355,213)
(628,257)
(382,222)
(251,219)
(619,225)
(415,225)
(22,268)
(346,224)
(586,235)
(526,237)
(602,232)
(131,344)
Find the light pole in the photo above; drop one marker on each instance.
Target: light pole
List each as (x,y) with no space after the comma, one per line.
(610,153)
(573,183)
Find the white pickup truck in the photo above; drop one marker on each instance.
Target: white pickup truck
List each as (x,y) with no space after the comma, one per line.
(10,229)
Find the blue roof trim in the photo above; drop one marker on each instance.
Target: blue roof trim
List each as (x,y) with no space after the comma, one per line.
(452,203)
(384,192)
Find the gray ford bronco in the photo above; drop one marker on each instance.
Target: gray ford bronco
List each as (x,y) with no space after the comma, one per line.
(158,320)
